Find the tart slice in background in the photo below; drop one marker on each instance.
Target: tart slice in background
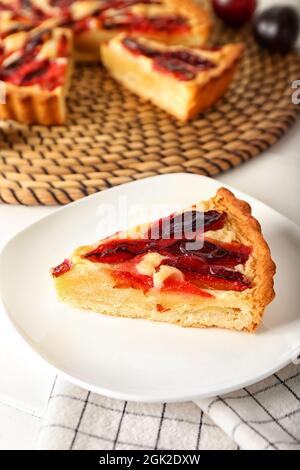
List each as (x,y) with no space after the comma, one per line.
(170,21)
(208,265)
(183,81)
(35,67)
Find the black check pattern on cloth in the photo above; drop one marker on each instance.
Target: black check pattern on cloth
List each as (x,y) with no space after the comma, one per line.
(263,416)
(78,419)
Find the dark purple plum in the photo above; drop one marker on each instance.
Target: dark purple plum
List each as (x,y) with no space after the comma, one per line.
(277,28)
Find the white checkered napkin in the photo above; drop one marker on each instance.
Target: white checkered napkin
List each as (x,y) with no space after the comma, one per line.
(263,416)
(78,419)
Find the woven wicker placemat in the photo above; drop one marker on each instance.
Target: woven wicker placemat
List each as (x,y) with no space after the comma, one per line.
(112,137)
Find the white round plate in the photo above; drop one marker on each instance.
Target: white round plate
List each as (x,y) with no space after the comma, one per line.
(141,360)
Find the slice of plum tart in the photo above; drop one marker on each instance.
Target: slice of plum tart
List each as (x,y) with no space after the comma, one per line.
(35,67)
(195,268)
(182,81)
